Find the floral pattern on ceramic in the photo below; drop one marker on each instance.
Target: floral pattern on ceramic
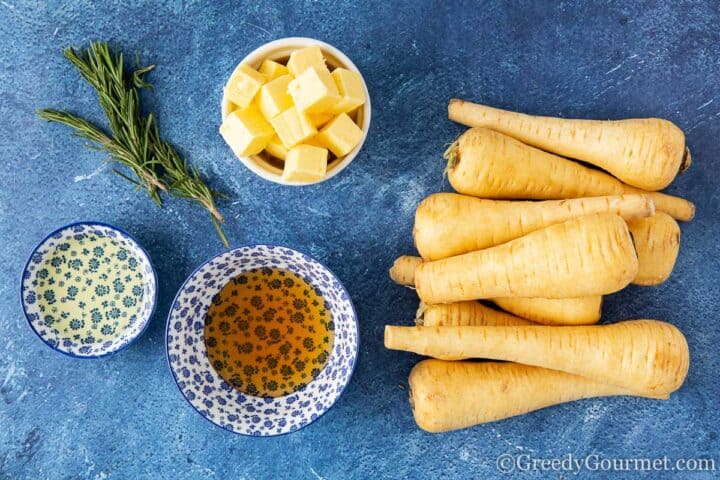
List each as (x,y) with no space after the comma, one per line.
(220,403)
(88,290)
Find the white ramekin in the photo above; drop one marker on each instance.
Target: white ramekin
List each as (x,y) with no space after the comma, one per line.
(281,49)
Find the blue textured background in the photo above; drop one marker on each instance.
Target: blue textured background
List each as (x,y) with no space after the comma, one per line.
(122,417)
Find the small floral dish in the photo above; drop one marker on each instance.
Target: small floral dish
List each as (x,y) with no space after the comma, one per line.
(88,290)
(218,401)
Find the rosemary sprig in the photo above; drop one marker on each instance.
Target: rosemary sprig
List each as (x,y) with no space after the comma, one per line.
(184,181)
(135,141)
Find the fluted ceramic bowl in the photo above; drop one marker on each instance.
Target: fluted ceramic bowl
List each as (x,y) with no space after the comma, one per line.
(219,402)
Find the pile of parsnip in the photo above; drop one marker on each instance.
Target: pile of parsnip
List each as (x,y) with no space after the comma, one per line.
(543,238)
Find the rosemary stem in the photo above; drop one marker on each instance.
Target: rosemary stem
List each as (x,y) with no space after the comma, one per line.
(135,140)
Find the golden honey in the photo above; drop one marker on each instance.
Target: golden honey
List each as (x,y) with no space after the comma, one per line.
(268,332)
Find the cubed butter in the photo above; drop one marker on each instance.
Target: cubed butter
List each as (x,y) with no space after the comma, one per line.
(314,141)
(276,148)
(350,87)
(314,91)
(303,58)
(273,97)
(320,119)
(293,127)
(243,85)
(305,163)
(273,70)
(246,131)
(341,135)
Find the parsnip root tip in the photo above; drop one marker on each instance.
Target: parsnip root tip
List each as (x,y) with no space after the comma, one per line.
(452,103)
(686,161)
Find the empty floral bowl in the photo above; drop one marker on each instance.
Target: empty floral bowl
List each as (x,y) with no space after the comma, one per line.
(218,401)
(88,290)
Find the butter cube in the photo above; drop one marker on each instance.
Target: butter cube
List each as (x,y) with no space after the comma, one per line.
(314,141)
(341,135)
(276,148)
(350,87)
(273,97)
(293,127)
(304,58)
(246,131)
(320,119)
(243,85)
(314,91)
(273,70)
(305,163)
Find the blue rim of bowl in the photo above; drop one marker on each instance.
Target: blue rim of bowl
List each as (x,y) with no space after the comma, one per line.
(120,231)
(272,245)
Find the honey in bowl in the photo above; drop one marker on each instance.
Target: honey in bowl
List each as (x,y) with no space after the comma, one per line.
(268,332)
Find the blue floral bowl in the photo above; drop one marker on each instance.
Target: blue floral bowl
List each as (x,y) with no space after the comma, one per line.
(206,391)
(88,290)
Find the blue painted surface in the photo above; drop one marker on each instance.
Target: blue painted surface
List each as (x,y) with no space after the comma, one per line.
(122,417)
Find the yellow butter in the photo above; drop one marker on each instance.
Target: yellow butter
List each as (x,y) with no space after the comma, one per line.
(350,87)
(246,131)
(273,70)
(293,127)
(273,97)
(304,58)
(340,136)
(305,163)
(314,141)
(276,148)
(314,91)
(320,119)
(243,85)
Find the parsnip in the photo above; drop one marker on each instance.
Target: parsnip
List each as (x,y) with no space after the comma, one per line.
(403,269)
(488,164)
(465,314)
(448,224)
(547,311)
(645,152)
(451,395)
(657,241)
(555,311)
(648,357)
(589,255)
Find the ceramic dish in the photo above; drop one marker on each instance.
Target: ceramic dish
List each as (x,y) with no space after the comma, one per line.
(279,50)
(88,290)
(220,403)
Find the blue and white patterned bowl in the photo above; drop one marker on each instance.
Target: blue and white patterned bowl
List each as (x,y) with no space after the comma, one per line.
(144,300)
(220,403)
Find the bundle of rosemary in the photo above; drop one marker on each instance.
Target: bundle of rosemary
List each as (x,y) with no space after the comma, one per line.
(134,141)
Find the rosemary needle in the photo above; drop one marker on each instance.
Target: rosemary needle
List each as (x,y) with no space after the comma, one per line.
(134,141)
